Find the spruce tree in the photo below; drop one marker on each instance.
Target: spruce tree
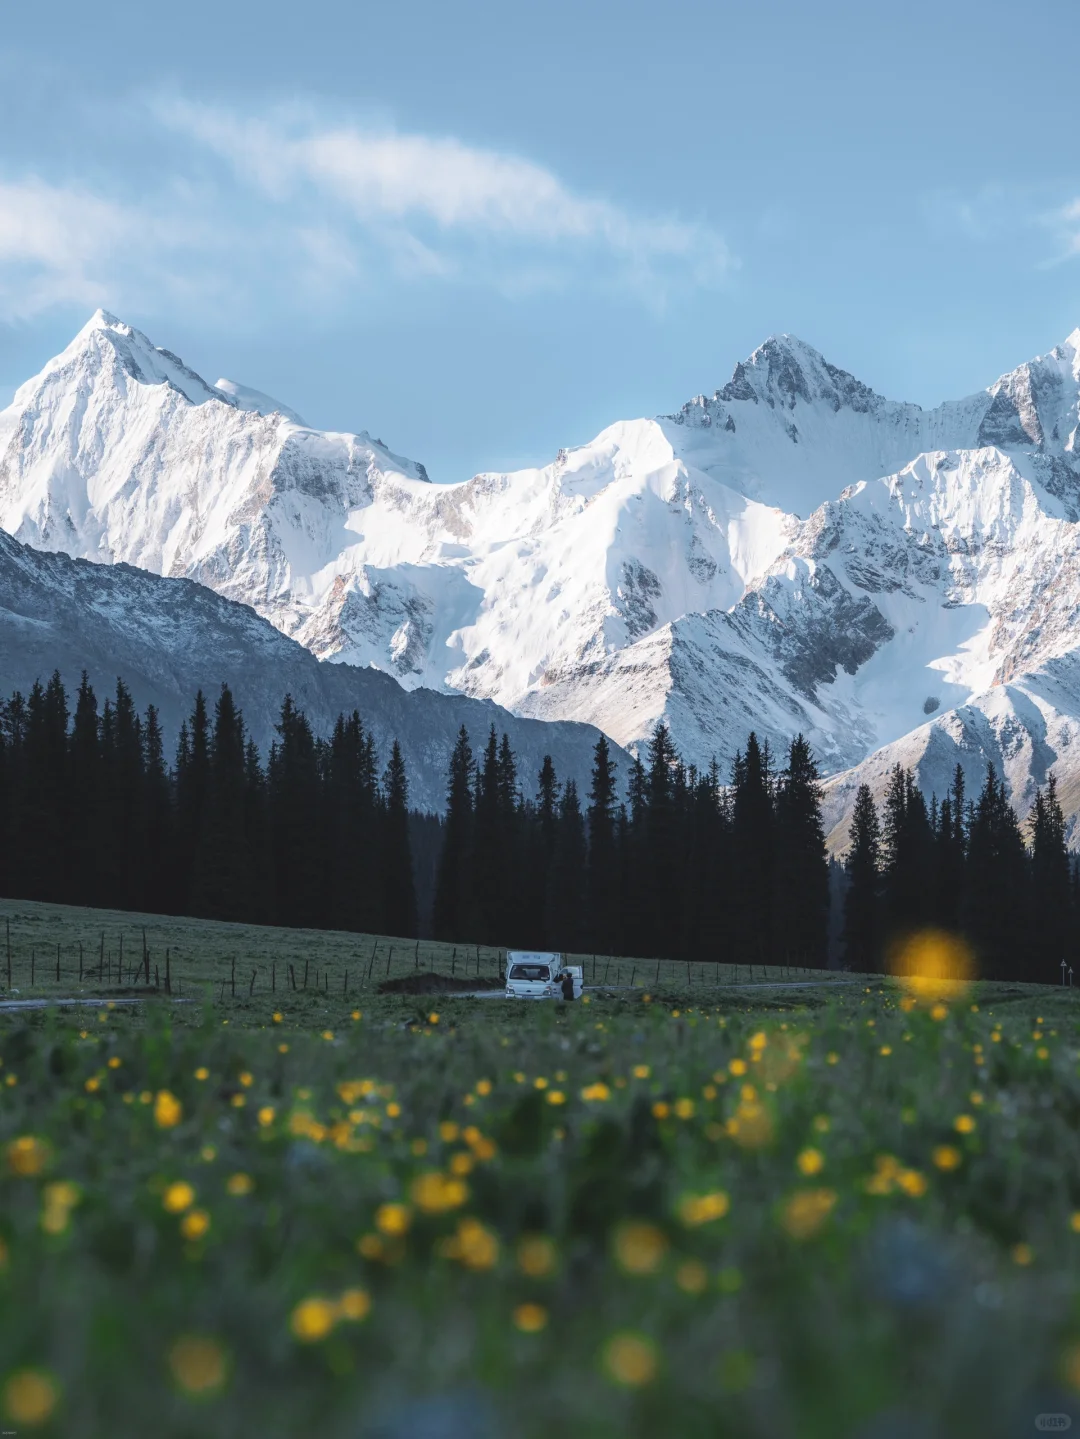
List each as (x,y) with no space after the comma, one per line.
(293,794)
(602,877)
(84,767)
(568,894)
(157,885)
(223,876)
(192,783)
(399,895)
(996,918)
(453,912)
(908,859)
(752,853)
(862,904)
(801,870)
(1051,888)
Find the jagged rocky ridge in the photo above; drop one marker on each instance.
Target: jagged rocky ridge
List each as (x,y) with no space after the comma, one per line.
(169,638)
(793,552)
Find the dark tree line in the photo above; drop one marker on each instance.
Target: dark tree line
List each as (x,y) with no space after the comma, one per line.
(664,861)
(92,813)
(684,866)
(965,866)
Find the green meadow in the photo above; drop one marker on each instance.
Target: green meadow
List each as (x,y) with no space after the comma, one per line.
(692,1204)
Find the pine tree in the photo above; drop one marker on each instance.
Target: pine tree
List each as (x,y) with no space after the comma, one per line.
(488,853)
(122,788)
(997,894)
(602,877)
(908,858)
(752,852)
(157,887)
(862,905)
(568,894)
(661,869)
(223,876)
(453,916)
(294,812)
(399,895)
(84,767)
(42,826)
(541,820)
(1051,888)
(801,872)
(192,784)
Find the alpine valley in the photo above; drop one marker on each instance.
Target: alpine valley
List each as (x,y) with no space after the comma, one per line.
(793,552)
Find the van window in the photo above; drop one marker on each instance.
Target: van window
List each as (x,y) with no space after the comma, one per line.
(530,971)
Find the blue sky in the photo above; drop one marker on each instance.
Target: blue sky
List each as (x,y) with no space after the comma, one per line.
(482,231)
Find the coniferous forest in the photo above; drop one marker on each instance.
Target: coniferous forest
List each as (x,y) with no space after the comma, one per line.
(663,861)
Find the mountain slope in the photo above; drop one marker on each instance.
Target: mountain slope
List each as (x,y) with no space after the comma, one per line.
(795,552)
(169,638)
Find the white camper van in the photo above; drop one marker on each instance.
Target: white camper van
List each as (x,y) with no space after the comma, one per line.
(537,974)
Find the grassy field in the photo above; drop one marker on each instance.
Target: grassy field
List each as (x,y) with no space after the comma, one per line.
(678,1211)
(98,953)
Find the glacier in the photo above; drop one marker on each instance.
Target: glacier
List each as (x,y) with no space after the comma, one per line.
(791,552)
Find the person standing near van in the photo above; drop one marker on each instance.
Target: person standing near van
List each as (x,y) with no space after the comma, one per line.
(567,984)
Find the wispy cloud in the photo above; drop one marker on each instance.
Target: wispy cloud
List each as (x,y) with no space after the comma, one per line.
(56,245)
(435,190)
(1066,223)
(291,203)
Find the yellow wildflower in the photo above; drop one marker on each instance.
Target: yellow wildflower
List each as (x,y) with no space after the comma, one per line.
(639,1247)
(684,1108)
(692,1277)
(198,1364)
(265,1116)
(556,1096)
(530,1318)
(195,1224)
(474,1245)
(313,1319)
(806,1211)
(946,1157)
(810,1161)
(178,1197)
(695,1209)
(168,1111)
(239,1184)
(434,1192)
(393,1219)
(912,1183)
(354,1305)
(27,1156)
(596,1093)
(202,1072)
(641,1071)
(630,1359)
(536,1255)
(30,1396)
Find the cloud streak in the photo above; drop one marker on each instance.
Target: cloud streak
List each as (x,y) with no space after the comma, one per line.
(324,210)
(436,189)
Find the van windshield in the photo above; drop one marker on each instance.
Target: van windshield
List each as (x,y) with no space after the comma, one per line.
(530,971)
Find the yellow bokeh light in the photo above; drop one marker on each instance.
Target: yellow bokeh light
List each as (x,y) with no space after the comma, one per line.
(932,964)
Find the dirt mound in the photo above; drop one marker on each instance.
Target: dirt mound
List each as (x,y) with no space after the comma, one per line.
(425,982)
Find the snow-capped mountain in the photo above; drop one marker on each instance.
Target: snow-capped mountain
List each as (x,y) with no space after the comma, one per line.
(793,552)
(169,638)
